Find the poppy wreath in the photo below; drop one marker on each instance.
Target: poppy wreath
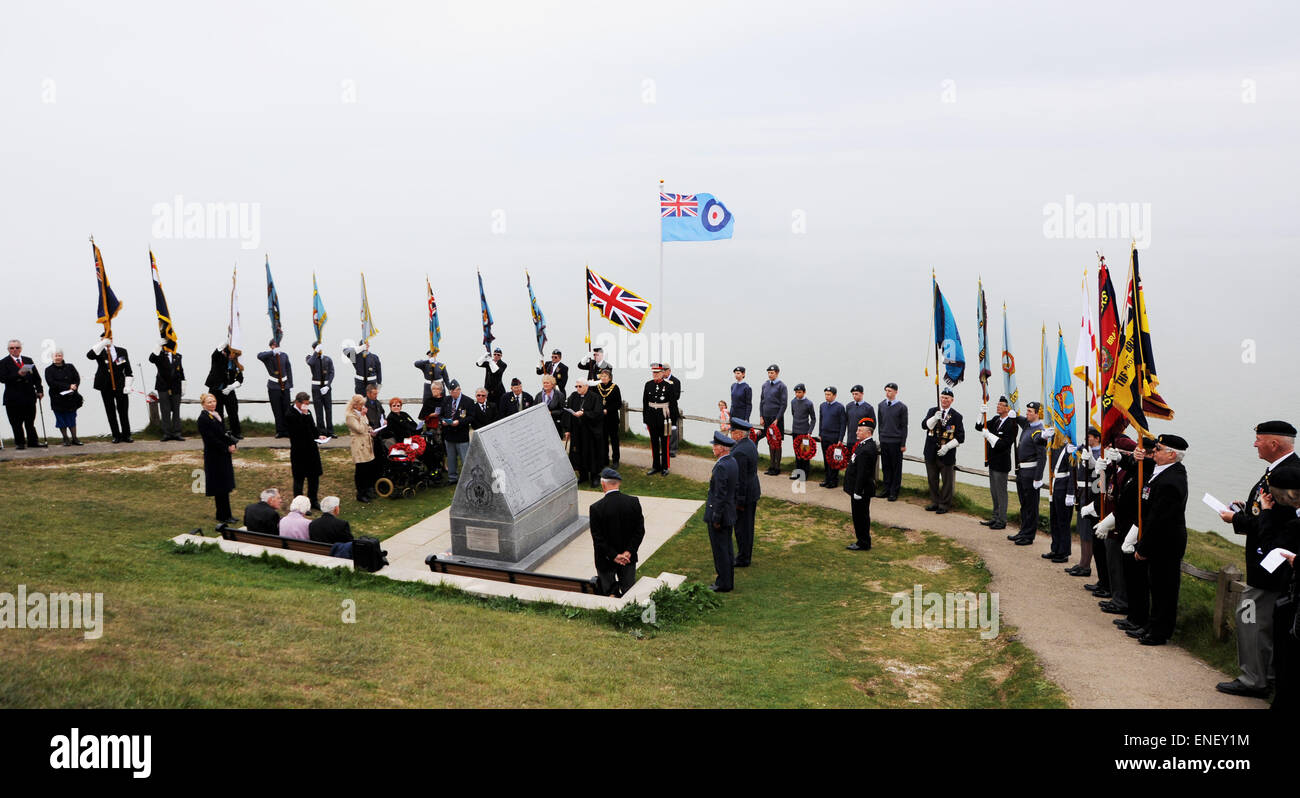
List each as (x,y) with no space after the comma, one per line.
(773,435)
(805,447)
(753,434)
(838,456)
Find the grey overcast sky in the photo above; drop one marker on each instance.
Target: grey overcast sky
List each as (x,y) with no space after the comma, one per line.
(858,145)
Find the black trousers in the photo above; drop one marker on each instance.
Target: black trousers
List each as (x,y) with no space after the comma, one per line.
(115,406)
(279,398)
(832,476)
(612,433)
(862,520)
(1164,577)
(23,417)
(169,413)
(223,506)
(658,440)
(891,466)
(724,557)
(365,477)
(1099,557)
(744,531)
(1286,656)
(614,579)
(228,410)
(313,487)
(324,412)
(1060,516)
(1028,496)
(803,465)
(773,452)
(1139,593)
(582,453)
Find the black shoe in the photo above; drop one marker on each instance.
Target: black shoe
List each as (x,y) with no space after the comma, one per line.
(41,445)
(613,464)
(1079,570)
(794,476)
(128,439)
(1093,586)
(997,526)
(1148,640)
(714,587)
(772,472)
(177,438)
(1235,687)
(941,511)
(77,442)
(986,523)
(1102,593)
(664,472)
(1124,624)
(231,522)
(856,547)
(740,565)
(21,446)
(1110,609)
(1051,555)
(932,507)
(822,485)
(1024,541)
(1060,558)
(652,472)
(893,498)
(1137,633)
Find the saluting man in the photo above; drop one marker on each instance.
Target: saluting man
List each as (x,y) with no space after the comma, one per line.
(321,367)
(557,370)
(1031,460)
(593,363)
(944,432)
(432,370)
(368,369)
(279,383)
(860,483)
(771,410)
(494,372)
(742,396)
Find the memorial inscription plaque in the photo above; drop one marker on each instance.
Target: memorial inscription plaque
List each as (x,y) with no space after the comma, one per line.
(517,499)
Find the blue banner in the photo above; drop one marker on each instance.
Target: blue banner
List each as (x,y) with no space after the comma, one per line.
(948,340)
(1061,406)
(694,217)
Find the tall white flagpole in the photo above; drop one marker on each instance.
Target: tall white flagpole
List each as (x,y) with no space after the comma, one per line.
(661,267)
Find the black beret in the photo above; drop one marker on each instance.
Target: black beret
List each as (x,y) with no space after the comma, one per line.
(1003,400)
(515,382)
(831,388)
(722,440)
(893,386)
(800,387)
(774,367)
(857,388)
(1035,406)
(946,392)
(610,474)
(741,369)
(555,351)
(497,351)
(1275,428)
(1174,442)
(453,385)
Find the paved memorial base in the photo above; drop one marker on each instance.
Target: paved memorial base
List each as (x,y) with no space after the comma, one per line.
(408,548)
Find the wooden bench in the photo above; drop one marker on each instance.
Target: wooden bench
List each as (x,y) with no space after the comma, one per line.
(241,535)
(571,584)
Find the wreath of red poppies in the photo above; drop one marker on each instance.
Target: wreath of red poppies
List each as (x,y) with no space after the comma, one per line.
(432,421)
(838,456)
(753,434)
(805,447)
(773,435)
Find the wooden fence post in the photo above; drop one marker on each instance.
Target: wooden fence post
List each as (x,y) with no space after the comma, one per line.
(1223,595)
(623,425)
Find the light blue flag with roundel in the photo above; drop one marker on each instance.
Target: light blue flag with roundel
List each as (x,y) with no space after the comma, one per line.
(694,217)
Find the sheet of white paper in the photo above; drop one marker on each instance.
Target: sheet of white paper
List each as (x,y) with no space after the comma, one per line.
(65,393)
(1273,559)
(1214,504)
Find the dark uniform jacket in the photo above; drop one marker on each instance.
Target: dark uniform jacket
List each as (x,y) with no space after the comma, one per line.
(223,373)
(589,404)
(329,528)
(304,453)
(833,424)
(367,367)
(20,389)
(803,419)
(460,432)
(493,381)
(748,489)
(944,431)
(742,400)
(891,423)
(1248,522)
(218,468)
(617,525)
(278,369)
(593,367)
(170,372)
(853,413)
(557,370)
(121,369)
(860,476)
(481,416)
(1164,502)
(1031,447)
(321,368)
(720,506)
(772,400)
(511,404)
(262,517)
(1000,452)
(658,393)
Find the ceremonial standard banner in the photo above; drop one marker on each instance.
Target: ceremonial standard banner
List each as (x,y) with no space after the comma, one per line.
(694,217)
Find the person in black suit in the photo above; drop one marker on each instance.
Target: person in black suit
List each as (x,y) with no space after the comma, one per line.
(554,401)
(659,410)
(113,379)
(64,383)
(944,432)
(594,362)
(1275,445)
(494,372)
(218,446)
(611,399)
(455,430)
(720,512)
(23,389)
(169,384)
(304,452)
(279,384)
(584,427)
(1000,432)
(514,402)
(1280,529)
(264,515)
(1162,541)
(748,489)
(329,528)
(320,368)
(860,482)
(434,371)
(617,529)
(556,369)
(225,376)
(480,412)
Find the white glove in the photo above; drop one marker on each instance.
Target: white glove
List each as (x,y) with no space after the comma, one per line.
(947,447)
(157,350)
(99,345)
(483,360)
(1130,540)
(1069,500)
(126,385)
(1104,526)
(1088,512)
(931,421)
(319,349)
(324,389)
(182,387)
(1070,448)
(1112,455)
(1048,432)
(1085,455)
(349,352)
(990,437)
(857,496)
(226,390)
(1038,484)
(984,409)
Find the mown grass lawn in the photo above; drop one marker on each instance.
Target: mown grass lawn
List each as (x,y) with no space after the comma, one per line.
(808,626)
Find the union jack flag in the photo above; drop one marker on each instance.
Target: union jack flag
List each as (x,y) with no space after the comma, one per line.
(616,303)
(678,205)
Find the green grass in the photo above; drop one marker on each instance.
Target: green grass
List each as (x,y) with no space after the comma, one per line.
(808,625)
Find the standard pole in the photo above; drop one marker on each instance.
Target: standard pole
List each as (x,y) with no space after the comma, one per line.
(661,270)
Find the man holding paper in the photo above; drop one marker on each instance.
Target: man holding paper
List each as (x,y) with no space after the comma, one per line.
(1280,533)
(1275,445)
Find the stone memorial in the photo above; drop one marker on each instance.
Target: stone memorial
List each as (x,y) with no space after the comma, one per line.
(517,499)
